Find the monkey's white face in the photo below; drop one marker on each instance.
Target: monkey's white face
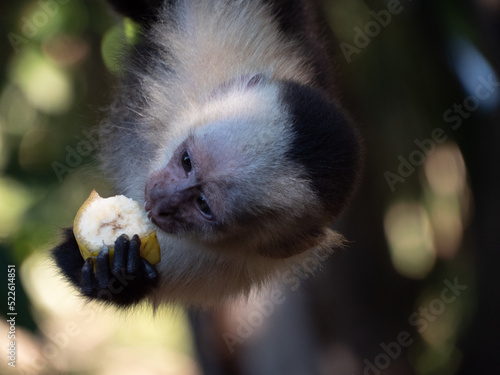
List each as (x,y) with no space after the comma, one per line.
(221,180)
(193,192)
(176,198)
(207,183)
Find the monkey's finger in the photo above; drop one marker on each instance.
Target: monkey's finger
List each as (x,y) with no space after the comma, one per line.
(134,256)
(121,254)
(88,278)
(149,273)
(103,272)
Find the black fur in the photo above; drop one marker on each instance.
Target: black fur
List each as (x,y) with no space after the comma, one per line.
(301,19)
(324,143)
(144,12)
(68,258)
(125,281)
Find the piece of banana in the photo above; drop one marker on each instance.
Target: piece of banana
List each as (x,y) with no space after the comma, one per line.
(100,221)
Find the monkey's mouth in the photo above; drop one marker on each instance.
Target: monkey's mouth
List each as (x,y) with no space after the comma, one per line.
(163,222)
(166,222)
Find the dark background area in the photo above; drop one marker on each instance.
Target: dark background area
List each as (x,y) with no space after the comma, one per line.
(414,292)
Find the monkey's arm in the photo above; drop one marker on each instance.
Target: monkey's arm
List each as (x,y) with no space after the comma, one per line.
(124,281)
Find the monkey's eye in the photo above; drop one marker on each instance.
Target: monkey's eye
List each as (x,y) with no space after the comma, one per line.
(186,162)
(203,206)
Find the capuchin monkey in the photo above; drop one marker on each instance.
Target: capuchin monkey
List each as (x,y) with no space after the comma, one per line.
(228,129)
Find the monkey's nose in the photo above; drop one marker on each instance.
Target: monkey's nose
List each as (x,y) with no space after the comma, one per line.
(160,209)
(160,201)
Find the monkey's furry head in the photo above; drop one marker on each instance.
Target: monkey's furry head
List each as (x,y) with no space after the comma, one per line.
(271,165)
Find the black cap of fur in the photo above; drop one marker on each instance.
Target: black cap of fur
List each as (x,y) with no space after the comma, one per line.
(325,143)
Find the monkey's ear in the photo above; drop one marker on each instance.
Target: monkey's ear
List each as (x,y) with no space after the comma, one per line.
(143,12)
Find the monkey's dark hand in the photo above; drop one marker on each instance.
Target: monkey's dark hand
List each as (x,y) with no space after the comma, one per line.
(125,280)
